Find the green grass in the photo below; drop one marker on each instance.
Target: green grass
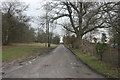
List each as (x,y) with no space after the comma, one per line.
(16,51)
(96,64)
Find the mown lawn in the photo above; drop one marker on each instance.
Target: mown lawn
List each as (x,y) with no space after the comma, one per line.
(99,66)
(15,51)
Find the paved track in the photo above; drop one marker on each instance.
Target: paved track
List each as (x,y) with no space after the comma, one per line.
(60,63)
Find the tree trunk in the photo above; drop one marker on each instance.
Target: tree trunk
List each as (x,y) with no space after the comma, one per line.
(6,38)
(101,55)
(72,45)
(78,42)
(119,53)
(48,34)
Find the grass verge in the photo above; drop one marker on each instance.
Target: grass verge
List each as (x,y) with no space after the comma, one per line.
(104,68)
(16,51)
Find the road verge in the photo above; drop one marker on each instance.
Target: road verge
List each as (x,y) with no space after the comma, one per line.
(96,65)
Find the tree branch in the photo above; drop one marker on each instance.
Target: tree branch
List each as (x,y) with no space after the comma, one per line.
(95,13)
(62,15)
(74,7)
(70,16)
(99,26)
(67,28)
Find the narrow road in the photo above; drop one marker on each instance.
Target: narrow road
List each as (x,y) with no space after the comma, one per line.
(60,63)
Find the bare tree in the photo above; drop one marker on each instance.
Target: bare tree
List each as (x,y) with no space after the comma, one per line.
(13,16)
(46,18)
(83,16)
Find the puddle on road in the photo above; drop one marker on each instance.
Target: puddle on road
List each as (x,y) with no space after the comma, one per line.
(27,62)
(75,65)
(1,72)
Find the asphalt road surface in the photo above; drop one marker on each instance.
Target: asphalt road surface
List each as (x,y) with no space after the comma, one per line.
(60,63)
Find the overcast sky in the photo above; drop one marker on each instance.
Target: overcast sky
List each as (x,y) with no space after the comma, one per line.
(35,9)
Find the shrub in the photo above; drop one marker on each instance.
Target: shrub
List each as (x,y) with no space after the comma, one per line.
(100,48)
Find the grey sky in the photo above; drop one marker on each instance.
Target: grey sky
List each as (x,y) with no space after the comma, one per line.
(35,9)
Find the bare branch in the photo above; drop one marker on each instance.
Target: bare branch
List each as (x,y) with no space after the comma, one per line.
(69,29)
(74,7)
(66,27)
(99,26)
(62,15)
